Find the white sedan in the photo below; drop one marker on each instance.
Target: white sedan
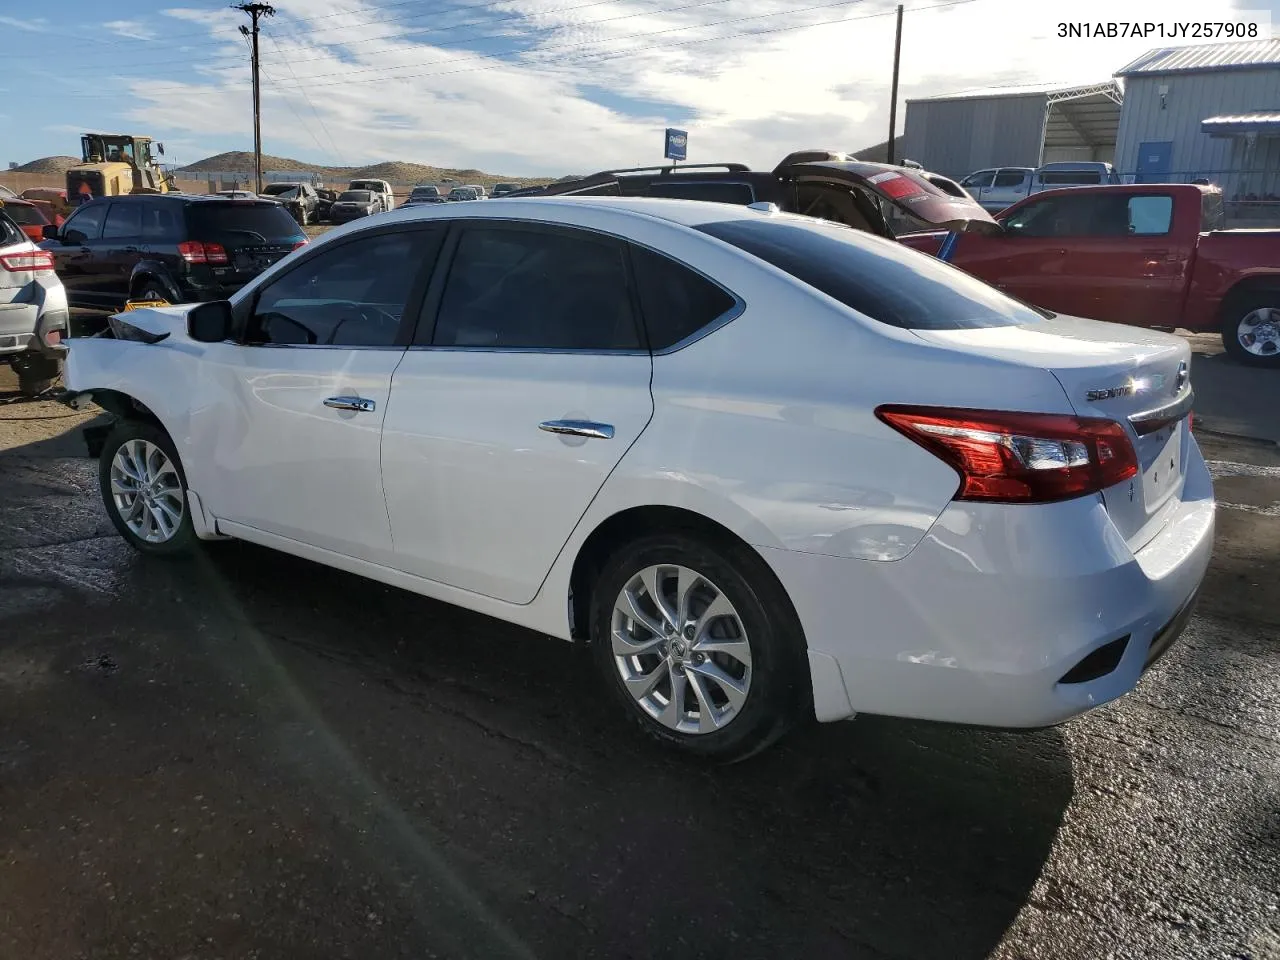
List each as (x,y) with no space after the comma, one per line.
(767,466)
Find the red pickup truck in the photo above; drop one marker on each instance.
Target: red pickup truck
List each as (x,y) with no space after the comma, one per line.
(1154,255)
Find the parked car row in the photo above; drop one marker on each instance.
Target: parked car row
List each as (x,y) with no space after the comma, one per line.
(554,410)
(998,188)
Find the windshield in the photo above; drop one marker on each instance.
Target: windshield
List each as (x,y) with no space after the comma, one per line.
(238,222)
(366,185)
(425,192)
(357,196)
(883,280)
(275,189)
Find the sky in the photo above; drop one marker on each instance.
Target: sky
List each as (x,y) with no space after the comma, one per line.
(538,87)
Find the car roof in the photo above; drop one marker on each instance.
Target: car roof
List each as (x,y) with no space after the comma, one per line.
(689,213)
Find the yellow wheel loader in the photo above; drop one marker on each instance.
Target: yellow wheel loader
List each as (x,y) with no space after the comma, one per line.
(113,164)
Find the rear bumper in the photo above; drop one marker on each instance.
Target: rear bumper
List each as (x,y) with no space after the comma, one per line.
(25,324)
(982,622)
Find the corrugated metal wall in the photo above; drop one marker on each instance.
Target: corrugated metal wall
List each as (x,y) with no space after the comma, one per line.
(957,137)
(1192,97)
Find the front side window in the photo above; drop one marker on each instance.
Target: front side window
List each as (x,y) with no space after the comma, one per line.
(351,295)
(1052,217)
(1150,215)
(980,179)
(124,221)
(85,224)
(885,281)
(515,287)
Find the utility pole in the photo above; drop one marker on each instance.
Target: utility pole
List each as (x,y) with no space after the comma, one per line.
(255,12)
(893,96)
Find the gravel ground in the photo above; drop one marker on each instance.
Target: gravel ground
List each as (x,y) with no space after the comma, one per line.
(248,755)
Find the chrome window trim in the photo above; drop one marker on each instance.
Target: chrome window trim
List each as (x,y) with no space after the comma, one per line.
(1148,421)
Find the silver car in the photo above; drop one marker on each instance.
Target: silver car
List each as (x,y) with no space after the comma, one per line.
(33,311)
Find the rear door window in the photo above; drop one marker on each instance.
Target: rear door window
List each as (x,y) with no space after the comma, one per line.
(124,221)
(676,302)
(517,287)
(1010,178)
(885,281)
(161,222)
(1150,216)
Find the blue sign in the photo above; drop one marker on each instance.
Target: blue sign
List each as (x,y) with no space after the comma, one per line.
(677,144)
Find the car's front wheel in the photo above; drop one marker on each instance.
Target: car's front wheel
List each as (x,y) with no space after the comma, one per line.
(1251,330)
(144,489)
(699,644)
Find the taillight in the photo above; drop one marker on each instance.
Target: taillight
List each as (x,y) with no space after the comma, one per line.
(193,251)
(300,243)
(1020,457)
(28,261)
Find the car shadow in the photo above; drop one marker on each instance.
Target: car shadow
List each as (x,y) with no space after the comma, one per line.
(876,837)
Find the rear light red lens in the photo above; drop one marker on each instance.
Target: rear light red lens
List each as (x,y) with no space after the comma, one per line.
(1020,457)
(53,338)
(28,261)
(193,251)
(300,243)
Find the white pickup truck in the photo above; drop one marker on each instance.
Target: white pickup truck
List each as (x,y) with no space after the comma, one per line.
(999,187)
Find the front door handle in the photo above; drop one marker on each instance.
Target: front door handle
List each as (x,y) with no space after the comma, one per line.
(359,404)
(578,428)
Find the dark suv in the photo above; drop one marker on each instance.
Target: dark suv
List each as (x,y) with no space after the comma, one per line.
(174,247)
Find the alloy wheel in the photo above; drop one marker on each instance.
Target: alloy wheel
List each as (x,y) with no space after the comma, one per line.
(1259,332)
(146,491)
(681,649)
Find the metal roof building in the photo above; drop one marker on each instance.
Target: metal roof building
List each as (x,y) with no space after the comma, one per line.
(1209,111)
(1013,126)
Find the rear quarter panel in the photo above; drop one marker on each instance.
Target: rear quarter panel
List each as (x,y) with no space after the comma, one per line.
(1224,260)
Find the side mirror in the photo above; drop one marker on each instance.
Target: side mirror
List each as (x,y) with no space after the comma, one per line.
(49,232)
(210,322)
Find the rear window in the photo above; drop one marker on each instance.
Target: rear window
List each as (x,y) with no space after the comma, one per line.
(357,196)
(739,193)
(1071,178)
(23,215)
(9,232)
(366,185)
(1213,215)
(425,192)
(242,222)
(883,280)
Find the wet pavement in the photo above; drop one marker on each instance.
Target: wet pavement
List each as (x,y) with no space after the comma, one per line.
(247,755)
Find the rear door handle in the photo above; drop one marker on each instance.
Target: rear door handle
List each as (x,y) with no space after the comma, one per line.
(578,428)
(359,404)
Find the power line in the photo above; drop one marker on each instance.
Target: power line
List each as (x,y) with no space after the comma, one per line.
(592,56)
(336,152)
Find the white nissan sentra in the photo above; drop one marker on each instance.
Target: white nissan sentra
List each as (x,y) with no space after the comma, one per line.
(767,466)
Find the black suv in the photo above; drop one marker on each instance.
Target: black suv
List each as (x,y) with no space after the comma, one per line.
(875,197)
(181,248)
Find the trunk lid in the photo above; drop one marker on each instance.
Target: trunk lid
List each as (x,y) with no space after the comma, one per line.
(255,233)
(1139,378)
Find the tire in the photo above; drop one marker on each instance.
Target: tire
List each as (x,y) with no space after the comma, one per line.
(153,292)
(774,676)
(139,443)
(1255,317)
(36,374)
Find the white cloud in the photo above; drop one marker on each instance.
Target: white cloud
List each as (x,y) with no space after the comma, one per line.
(131,29)
(38,25)
(560,89)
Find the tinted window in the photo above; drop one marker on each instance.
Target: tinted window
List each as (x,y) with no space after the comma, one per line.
(24,215)
(84,224)
(160,221)
(1052,217)
(1070,177)
(676,302)
(9,232)
(241,224)
(275,189)
(1010,178)
(879,278)
(1150,216)
(542,289)
(123,220)
(357,196)
(740,193)
(351,295)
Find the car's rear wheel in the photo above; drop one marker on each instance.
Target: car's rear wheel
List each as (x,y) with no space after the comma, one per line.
(144,489)
(699,645)
(151,292)
(1251,330)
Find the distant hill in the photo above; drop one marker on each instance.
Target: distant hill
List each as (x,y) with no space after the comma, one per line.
(398,173)
(48,165)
